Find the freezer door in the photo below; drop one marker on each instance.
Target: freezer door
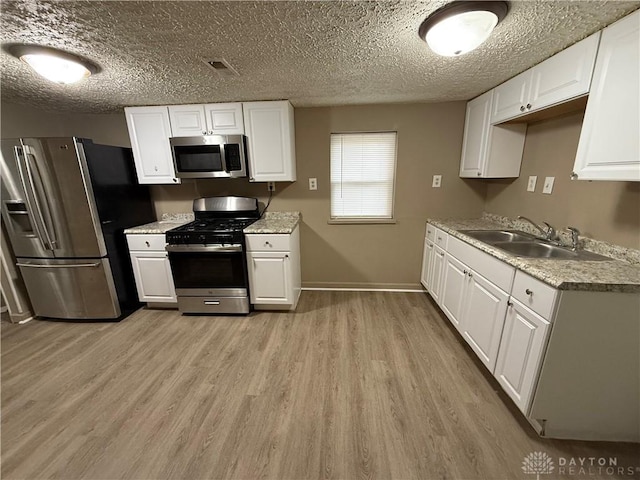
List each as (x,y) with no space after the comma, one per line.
(57,175)
(70,289)
(24,228)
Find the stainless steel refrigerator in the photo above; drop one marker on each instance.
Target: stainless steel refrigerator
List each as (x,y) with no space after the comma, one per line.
(65,204)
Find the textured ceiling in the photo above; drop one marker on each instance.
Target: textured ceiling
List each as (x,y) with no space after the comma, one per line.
(311,52)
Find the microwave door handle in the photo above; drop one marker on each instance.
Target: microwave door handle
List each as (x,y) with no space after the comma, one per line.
(45,213)
(29,191)
(223,157)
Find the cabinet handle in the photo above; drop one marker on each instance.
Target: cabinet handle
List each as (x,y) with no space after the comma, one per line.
(464,271)
(251,179)
(211,302)
(528,106)
(267,243)
(204,132)
(470,274)
(479,173)
(509,303)
(441,254)
(175,180)
(147,244)
(286,256)
(574,176)
(528,292)
(522,108)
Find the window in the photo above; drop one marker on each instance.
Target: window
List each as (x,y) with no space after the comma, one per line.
(363,169)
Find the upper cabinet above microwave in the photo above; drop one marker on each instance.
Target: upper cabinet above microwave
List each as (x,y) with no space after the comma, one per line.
(562,77)
(209,119)
(269,131)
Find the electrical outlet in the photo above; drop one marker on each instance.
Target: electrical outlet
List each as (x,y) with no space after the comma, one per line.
(531,186)
(313,184)
(271,186)
(437,181)
(548,185)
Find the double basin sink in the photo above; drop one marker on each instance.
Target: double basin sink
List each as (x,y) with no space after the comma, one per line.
(523,244)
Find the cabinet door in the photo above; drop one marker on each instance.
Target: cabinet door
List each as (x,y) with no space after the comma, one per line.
(270,141)
(149,130)
(187,120)
(224,118)
(483,318)
(270,278)
(609,148)
(510,98)
(152,273)
(519,358)
(427,255)
(477,131)
(436,270)
(453,291)
(564,76)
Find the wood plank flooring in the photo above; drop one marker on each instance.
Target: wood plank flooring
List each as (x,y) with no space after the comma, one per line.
(351,386)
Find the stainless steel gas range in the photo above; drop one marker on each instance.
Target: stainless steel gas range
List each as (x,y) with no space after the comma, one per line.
(208,258)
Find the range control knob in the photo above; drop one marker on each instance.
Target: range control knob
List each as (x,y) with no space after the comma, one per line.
(202,239)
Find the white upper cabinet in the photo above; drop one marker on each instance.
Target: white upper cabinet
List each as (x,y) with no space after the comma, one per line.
(149,131)
(562,77)
(187,120)
(490,151)
(609,146)
(224,118)
(270,134)
(209,119)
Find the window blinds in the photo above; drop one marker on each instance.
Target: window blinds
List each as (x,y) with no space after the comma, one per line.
(362,174)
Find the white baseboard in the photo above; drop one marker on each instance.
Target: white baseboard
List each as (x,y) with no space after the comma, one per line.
(336,289)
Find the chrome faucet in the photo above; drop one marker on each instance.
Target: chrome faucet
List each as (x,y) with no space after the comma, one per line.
(548,234)
(575,238)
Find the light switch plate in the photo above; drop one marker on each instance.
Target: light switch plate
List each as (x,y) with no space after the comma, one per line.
(437,181)
(531,186)
(548,185)
(313,184)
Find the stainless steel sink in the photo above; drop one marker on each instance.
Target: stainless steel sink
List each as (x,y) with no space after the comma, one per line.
(491,236)
(523,244)
(538,249)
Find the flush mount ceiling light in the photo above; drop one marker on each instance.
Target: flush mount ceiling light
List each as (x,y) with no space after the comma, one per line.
(459,27)
(54,65)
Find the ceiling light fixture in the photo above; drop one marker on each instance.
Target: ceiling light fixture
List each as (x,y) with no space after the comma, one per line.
(53,64)
(461,26)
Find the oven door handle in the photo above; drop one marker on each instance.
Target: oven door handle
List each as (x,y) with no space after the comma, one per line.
(236,247)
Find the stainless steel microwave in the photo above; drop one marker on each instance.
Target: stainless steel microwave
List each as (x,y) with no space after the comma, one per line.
(210,156)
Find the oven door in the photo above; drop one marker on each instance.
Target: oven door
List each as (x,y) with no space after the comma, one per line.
(208,269)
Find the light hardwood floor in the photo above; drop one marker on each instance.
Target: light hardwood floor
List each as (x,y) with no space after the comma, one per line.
(350,386)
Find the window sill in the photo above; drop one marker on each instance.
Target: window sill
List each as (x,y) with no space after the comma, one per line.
(361,221)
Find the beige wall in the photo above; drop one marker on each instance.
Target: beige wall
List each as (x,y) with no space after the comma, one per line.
(429,142)
(608,211)
(23,121)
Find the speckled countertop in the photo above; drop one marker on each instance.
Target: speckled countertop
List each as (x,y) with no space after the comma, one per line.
(275,222)
(621,274)
(166,223)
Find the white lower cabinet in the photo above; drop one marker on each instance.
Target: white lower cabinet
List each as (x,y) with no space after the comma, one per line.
(273,262)
(151,268)
(483,317)
(523,341)
(453,289)
(427,255)
(436,273)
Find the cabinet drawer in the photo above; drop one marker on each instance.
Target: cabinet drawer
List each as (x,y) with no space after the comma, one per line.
(441,239)
(431,232)
(534,294)
(269,243)
(150,242)
(494,270)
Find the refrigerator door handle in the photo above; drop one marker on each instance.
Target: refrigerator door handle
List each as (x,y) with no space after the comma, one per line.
(45,213)
(75,265)
(36,215)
